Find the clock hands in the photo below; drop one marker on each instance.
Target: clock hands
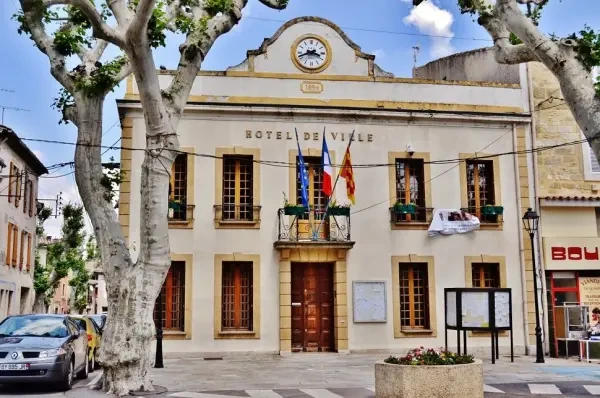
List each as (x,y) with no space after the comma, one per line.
(312,52)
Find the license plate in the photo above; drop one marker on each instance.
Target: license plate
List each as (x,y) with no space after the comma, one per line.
(14,366)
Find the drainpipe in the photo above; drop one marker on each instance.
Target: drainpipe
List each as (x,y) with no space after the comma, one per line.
(521,246)
(541,264)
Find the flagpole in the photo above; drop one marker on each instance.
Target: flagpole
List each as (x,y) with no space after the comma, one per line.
(334,184)
(301,179)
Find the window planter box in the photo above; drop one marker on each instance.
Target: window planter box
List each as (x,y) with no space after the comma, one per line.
(416,381)
(175,206)
(294,210)
(405,209)
(338,211)
(488,210)
(499,210)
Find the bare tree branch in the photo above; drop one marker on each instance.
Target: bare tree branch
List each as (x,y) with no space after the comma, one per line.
(92,56)
(274,4)
(140,20)
(506,53)
(122,13)
(101,29)
(193,51)
(124,72)
(33,17)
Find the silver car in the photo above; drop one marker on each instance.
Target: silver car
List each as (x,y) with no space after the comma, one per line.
(42,348)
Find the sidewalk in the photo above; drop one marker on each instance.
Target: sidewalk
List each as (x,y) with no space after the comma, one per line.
(326,371)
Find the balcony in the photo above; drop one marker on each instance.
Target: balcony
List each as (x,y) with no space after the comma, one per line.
(297,224)
(180,213)
(232,216)
(402,217)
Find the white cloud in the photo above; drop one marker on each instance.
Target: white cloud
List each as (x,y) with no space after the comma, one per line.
(379,53)
(432,20)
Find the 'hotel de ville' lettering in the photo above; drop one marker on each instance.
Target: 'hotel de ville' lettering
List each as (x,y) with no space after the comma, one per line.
(316,136)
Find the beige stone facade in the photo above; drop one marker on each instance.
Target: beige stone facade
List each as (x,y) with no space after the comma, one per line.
(245,293)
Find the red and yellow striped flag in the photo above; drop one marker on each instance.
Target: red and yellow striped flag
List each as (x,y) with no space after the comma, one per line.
(347,174)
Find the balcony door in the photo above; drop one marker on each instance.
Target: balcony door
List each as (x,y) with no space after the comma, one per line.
(311,221)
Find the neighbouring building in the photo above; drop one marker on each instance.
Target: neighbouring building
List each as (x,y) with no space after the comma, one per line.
(97,296)
(246,276)
(567,189)
(20,170)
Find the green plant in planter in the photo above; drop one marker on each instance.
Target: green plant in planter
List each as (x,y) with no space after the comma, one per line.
(292,210)
(489,210)
(175,205)
(336,209)
(401,208)
(430,356)
(499,210)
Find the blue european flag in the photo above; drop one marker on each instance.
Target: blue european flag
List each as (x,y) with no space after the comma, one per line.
(303,176)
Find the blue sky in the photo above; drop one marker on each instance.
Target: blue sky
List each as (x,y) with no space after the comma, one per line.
(370,24)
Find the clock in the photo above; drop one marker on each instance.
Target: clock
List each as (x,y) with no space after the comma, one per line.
(311,53)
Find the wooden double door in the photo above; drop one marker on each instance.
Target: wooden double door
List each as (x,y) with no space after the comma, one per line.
(312,307)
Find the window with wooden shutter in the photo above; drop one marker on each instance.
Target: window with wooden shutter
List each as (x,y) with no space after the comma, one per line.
(32,203)
(172,298)
(11,181)
(9,243)
(485,274)
(414,296)
(410,187)
(18,186)
(29,239)
(237,188)
(480,188)
(26,196)
(22,252)
(178,189)
(317,199)
(15,246)
(236,305)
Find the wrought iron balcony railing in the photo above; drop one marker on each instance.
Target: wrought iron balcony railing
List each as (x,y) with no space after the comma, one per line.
(237,214)
(486,214)
(297,224)
(420,215)
(180,212)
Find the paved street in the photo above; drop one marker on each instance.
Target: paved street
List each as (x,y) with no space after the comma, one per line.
(332,376)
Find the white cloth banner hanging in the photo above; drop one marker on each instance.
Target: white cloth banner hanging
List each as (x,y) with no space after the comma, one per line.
(452,221)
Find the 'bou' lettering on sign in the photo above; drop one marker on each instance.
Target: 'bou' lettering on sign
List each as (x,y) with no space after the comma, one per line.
(574,253)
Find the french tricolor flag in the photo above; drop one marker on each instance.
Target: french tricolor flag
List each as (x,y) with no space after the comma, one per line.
(327,170)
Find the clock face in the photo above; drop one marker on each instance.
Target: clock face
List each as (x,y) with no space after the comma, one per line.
(311,53)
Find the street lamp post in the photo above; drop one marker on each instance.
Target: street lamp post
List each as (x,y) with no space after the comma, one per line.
(530,223)
(158,362)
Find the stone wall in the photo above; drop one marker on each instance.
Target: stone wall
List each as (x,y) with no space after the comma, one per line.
(560,170)
(476,66)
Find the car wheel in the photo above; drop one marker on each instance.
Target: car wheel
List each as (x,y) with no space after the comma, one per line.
(67,379)
(83,373)
(92,362)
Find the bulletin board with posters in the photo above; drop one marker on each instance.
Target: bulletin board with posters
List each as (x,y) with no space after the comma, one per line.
(589,294)
(478,309)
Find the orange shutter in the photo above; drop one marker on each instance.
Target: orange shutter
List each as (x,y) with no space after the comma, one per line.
(29,252)
(25,197)
(22,253)
(8,244)
(15,246)
(11,180)
(31,197)
(17,187)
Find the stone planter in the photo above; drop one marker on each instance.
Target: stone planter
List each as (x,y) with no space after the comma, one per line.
(409,381)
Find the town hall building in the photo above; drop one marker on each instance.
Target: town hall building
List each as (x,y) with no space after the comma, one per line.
(253,272)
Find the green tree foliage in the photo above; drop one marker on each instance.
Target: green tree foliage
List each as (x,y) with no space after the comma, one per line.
(65,258)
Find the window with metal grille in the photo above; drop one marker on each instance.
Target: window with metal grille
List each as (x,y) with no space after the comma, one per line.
(480,187)
(237,188)
(414,296)
(178,188)
(236,306)
(485,274)
(316,197)
(172,299)
(410,187)
(9,239)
